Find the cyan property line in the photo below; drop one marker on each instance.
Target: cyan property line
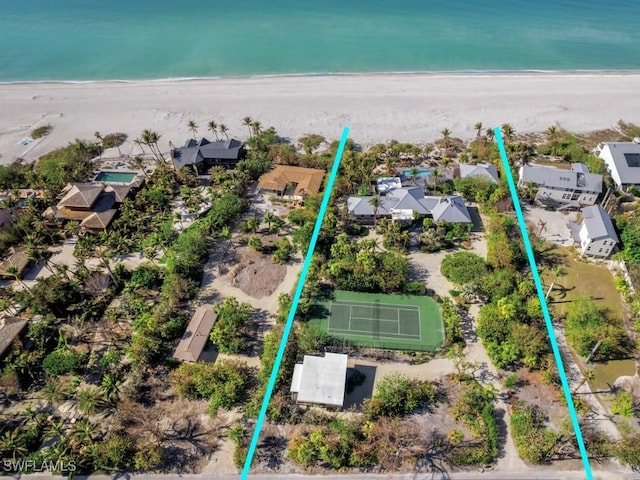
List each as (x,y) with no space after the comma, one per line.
(543,304)
(294,305)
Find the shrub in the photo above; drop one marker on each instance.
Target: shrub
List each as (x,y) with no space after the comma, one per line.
(42,131)
(463,267)
(415,288)
(399,395)
(61,361)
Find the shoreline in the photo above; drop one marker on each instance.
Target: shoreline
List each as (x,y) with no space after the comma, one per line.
(407,107)
(426,73)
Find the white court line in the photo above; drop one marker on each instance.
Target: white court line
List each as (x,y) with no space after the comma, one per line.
(371,319)
(350,315)
(419,322)
(398,320)
(368,333)
(411,307)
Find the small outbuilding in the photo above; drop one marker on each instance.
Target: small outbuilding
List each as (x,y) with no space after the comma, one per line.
(197,334)
(321,380)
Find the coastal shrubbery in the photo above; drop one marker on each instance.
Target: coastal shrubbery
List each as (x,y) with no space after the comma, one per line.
(41,131)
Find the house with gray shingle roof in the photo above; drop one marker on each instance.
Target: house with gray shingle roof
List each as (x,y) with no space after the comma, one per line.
(482,170)
(575,187)
(623,161)
(597,236)
(405,204)
(204,154)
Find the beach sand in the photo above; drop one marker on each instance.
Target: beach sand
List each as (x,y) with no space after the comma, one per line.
(404,107)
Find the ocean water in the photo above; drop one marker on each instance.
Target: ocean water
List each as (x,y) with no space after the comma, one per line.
(154,39)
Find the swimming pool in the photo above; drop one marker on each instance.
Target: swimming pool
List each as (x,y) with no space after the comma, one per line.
(115,177)
(421,173)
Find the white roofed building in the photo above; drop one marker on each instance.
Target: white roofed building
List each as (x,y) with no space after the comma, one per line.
(321,380)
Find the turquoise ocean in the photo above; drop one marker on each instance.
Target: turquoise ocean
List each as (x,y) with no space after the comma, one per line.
(81,40)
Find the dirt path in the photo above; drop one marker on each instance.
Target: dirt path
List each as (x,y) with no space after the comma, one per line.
(599,417)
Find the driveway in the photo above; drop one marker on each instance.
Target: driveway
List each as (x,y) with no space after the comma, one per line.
(550,225)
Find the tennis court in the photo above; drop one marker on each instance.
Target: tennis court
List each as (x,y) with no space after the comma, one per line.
(398,322)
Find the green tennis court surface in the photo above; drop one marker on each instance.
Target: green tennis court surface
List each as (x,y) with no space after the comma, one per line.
(397,322)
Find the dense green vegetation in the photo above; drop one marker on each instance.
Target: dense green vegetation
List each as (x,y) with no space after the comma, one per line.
(534,441)
(587,325)
(398,395)
(356,266)
(223,383)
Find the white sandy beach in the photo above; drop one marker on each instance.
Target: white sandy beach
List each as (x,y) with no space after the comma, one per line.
(405,107)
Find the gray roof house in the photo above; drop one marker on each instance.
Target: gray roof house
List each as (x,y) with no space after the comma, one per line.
(321,380)
(574,187)
(404,203)
(623,161)
(205,154)
(484,170)
(597,236)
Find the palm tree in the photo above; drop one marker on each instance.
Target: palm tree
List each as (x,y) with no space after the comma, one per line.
(150,139)
(88,400)
(446,136)
(12,441)
(589,375)
(104,263)
(15,273)
(213,128)
(56,428)
(101,141)
(193,128)
(138,161)
(445,162)
(139,143)
(414,174)
(543,226)
(478,127)
(223,130)
(256,126)
(490,134)
(253,223)
(375,203)
(390,166)
(54,393)
(248,122)
(552,133)
(507,132)
(83,433)
(110,387)
(255,243)
(558,271)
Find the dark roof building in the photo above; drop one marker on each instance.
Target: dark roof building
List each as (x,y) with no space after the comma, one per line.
(205,154)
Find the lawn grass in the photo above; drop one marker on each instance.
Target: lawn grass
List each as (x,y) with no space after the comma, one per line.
(585,279)
(579,278)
